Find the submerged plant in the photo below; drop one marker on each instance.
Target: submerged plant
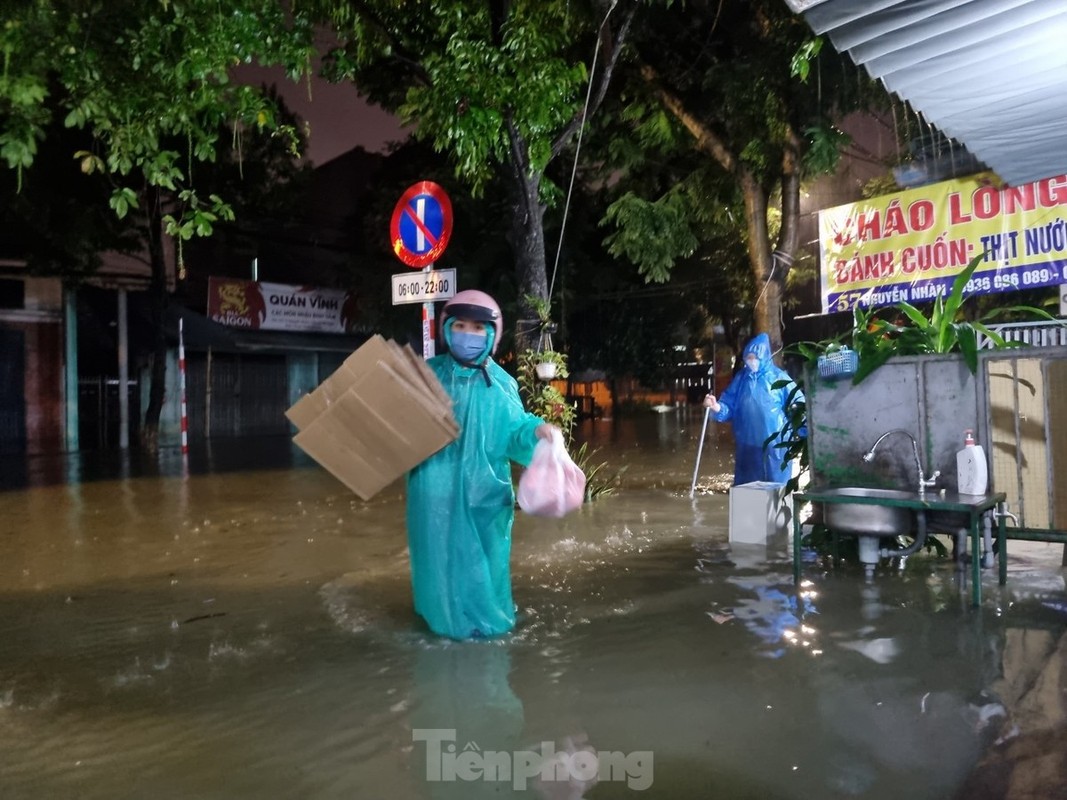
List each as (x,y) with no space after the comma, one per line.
(792,440)
(597,483)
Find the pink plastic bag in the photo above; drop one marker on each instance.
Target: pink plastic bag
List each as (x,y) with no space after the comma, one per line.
(553,485)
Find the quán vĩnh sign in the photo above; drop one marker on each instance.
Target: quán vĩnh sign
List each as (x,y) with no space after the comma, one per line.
(910,246)
(254,305)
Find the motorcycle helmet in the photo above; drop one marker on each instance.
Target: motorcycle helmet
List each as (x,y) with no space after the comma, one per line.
(477,306)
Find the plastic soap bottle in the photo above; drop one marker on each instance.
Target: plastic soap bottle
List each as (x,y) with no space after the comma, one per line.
(972,474)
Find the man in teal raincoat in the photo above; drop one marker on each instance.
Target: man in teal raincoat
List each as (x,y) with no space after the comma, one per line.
(460,501)
(758,411)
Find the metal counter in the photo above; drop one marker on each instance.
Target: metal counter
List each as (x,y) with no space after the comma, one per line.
(974,506)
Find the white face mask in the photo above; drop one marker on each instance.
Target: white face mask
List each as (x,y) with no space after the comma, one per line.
(752,364)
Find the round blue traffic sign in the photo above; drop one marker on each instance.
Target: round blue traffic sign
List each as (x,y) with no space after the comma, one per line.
(421,224)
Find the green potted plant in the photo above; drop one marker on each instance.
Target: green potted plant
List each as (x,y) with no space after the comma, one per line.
(536,368)
(876,339)
(540,396)
(547,363)
(550,365)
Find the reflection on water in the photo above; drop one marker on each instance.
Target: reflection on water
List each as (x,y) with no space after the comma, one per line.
(241,626)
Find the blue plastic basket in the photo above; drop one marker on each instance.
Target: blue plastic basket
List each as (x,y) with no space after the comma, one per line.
(839,364)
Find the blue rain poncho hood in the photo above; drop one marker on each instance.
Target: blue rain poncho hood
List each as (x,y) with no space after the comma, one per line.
(760,347)
(757,411)
(461,505)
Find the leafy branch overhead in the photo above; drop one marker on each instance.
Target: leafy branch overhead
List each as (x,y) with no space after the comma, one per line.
(141,97)
(500,88)
(744,96)
(491,84)
(151,83)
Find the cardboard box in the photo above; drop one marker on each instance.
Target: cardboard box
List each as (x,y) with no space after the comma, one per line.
(759,511)
(382,412)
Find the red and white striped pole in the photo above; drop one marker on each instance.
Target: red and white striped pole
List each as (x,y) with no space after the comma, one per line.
(428,333)
(181,385)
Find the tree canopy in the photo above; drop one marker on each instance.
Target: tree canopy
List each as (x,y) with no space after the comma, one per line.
(727,105)
(744,86)
(501,88)
(150,82)
(149,85)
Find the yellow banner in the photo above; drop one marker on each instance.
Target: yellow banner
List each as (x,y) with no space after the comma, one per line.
(910,246)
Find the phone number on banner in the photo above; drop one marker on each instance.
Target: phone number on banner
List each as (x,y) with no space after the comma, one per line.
(424,287)
(1005,279)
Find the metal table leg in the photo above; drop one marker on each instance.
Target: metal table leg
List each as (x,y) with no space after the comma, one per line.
(976,562)
(796,547)
(987,539)
(1002,545)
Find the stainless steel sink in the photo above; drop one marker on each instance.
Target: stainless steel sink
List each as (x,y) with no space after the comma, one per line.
(872,520)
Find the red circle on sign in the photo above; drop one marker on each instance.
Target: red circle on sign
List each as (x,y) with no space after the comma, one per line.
(406,218)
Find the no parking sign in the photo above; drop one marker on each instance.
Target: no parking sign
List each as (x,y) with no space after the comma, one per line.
(421,224)
(419,232)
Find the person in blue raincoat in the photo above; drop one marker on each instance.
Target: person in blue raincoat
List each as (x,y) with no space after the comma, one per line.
(757,411)
(460,501)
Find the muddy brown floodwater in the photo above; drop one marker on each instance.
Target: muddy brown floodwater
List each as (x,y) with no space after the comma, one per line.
(240,626)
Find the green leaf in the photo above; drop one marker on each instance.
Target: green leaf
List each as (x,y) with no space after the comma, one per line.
(968,341)
(800,64)
(937,320)
(915,315)
(118,203)
(122,200)
(955,297)
(651,235)
(826,142)
(993,336)
(1037,312)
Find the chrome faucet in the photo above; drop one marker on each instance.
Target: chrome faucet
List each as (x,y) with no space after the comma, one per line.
(923,482)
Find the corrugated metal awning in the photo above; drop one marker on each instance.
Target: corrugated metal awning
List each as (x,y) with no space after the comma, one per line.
(991,74)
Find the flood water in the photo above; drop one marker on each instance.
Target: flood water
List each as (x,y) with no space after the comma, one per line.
(241,627)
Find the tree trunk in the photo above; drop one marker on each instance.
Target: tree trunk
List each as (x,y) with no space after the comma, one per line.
(527,238)
(158,298)
(767,313)
(789,235)
(527,234)
(769,269)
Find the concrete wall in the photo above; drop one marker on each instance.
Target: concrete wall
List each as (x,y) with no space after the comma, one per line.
(934,398)
(1016,409)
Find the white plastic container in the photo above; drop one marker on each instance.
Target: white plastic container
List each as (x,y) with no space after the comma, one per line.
(759,511)
(972,472)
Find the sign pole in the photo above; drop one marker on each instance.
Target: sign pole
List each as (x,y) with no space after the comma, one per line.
(428,349)
(181,387)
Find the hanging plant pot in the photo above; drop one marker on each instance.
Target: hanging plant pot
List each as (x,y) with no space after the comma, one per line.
(546,370)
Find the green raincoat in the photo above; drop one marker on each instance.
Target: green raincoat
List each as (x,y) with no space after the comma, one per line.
(461,505)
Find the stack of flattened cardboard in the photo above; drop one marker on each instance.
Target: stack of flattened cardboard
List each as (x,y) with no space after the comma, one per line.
(381,413)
